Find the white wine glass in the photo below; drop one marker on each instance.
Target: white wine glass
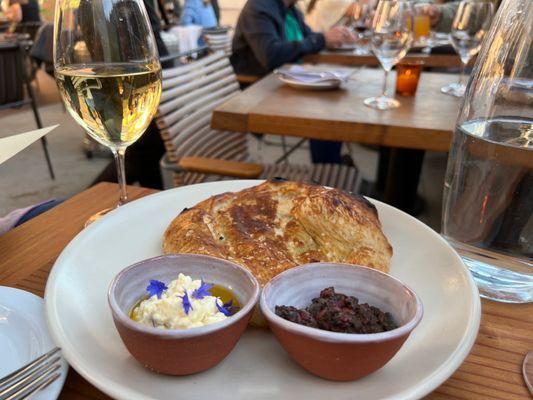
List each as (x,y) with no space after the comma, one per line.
(470,25)
(392,35)
(108,72)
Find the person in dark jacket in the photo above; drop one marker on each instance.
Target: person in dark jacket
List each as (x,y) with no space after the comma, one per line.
(271,33)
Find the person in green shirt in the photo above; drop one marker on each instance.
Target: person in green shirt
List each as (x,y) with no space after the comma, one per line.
(270,33)
(292,29)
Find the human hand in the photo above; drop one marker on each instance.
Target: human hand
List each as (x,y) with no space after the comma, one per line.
(432,11)
(338,35)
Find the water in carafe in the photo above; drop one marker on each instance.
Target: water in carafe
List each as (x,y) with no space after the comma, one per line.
(488,193)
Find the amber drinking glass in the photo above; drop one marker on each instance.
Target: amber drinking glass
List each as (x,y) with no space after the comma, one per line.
(407,77)
(422,26)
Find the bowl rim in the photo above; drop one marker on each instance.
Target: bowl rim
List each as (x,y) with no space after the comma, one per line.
(181,333)
(340,337)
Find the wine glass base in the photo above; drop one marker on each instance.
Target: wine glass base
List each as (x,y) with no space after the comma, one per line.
(382,103)
(362,52)
(97,216)
(454,89)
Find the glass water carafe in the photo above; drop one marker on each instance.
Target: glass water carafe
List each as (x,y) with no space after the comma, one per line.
(488,193)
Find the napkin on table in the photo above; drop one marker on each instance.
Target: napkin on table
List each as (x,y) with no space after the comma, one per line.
(313,75)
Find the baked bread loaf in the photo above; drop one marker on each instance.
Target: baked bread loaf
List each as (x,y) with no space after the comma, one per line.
(277,225)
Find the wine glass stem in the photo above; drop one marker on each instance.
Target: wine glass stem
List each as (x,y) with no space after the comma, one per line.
(462,74)
(384,94)
(121,174)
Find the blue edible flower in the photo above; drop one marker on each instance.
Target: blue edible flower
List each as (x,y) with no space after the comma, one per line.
(225,308)
(187,306)
(202,291)
(156,288)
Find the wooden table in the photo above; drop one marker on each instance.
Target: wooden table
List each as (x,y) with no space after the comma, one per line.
(492,370)
(343,57)
(423,122)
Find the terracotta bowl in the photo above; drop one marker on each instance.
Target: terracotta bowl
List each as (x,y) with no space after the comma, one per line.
(181,352)
(333,355)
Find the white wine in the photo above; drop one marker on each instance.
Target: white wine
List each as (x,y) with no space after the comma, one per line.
(114,103)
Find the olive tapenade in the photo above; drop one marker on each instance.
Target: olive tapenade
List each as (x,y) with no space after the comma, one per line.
(337,312)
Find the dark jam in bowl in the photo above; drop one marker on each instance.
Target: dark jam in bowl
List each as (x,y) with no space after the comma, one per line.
(337,312)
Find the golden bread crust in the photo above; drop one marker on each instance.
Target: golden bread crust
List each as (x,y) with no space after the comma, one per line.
(277,225)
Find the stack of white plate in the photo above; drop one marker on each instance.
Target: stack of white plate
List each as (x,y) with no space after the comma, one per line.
(218,41)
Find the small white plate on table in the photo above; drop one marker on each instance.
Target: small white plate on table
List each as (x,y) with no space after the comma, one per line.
(258,368)
(323,85)
(24,336)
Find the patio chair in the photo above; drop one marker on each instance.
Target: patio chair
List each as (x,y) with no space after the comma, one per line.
(198,153)
(13,74)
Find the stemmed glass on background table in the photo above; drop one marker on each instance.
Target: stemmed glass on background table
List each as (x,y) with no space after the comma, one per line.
(471,22)
(362,19)
(108,72)
(392,35)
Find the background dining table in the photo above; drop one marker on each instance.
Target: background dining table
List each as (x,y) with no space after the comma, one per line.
(423,122)
(492,371)
(349,58)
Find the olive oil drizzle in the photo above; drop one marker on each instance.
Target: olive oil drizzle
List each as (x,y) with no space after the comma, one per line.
(222,292)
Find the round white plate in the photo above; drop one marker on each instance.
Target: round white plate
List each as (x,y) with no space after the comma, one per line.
(326,85)
(258,368)
(24,336)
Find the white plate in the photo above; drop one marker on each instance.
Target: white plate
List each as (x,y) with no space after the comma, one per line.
(258,368)
(326,85)
(24,336)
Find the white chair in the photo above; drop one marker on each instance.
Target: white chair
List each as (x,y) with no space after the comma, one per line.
(198,153)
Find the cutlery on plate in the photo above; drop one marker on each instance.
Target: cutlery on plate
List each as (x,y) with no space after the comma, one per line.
(527,370)
(34,376)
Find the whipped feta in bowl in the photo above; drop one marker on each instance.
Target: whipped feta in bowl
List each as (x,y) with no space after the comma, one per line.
(185,303)
(191,340)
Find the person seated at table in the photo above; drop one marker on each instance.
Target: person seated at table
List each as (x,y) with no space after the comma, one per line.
(21,11)
(198,12)
(271,33)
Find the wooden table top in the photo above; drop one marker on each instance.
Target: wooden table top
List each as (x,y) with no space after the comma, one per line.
(347,57)
(492,370)
(425,121)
